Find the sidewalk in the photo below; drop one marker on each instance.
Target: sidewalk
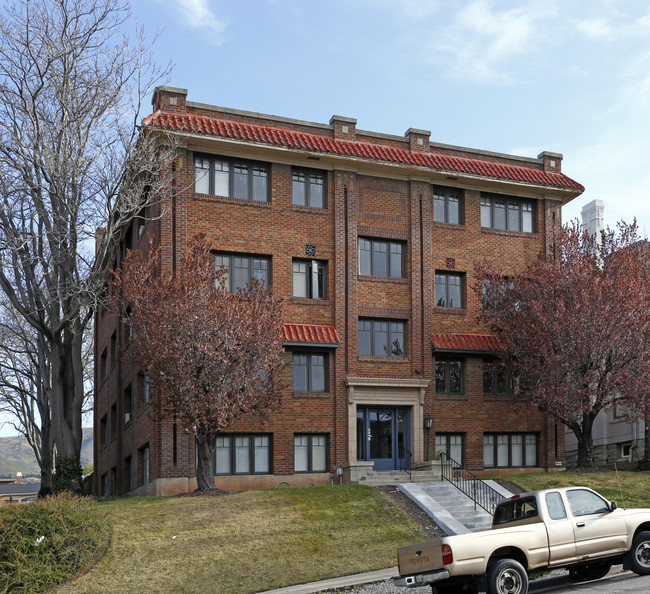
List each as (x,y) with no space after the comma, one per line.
(339,582)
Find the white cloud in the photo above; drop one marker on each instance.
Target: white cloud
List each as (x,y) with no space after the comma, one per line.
(483,41)
(199,14)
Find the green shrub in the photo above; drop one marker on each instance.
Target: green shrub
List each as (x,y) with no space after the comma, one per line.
(48,541)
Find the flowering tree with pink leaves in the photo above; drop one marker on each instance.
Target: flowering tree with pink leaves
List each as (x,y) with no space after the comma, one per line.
(575,327)
(211,355)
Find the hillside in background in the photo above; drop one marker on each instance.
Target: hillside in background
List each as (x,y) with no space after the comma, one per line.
(17,456)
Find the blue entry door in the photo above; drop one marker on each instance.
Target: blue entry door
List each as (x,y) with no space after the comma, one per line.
(382,435)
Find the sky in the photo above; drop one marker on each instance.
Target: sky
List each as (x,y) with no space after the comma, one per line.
(517,77)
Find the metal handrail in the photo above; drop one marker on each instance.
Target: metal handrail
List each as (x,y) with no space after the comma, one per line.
(476,489)
(405,463)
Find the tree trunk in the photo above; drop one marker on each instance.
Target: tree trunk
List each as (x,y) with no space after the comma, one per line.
(206,446)
(583,433)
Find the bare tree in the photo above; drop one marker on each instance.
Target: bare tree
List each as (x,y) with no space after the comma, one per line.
(71,160)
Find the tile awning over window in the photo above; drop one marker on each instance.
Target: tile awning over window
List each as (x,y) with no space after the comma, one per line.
(305,141)
(465,343)
(310,334)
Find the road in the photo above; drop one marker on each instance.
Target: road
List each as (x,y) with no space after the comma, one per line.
(614,582)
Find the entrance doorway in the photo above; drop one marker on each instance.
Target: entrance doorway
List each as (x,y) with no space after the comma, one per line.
(383,435)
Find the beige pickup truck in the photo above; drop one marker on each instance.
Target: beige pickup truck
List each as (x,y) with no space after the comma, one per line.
(572,528)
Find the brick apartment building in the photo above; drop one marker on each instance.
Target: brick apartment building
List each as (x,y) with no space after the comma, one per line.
(370,239)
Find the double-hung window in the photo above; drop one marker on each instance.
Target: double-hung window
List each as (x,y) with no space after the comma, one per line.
(510,450)
(309,279)
(310,452)
(449,376)
(382,258)
(239,269)
(447,205)
(308,188)
(452,445)
(231,178)
(382,338)
(449,290)
(245,453)
(310,372)
(507,213)
(498,381)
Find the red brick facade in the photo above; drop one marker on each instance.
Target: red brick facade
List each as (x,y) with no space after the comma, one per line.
(378,187)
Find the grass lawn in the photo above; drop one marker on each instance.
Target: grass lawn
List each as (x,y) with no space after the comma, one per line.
(247,542)
(634,485)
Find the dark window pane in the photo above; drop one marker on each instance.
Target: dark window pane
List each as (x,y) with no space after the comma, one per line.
(440,377)
(397,339)
(259,184)
(439,209)
(513,216)
(317,373)
(298,188)
(364,257)
(316,183)
(453,210)
(364,337)
(499,214)
(379,258)
(241,273)
(240,181)
(380,343)
(396,260)
(454,291)
(455,381)
(441,290)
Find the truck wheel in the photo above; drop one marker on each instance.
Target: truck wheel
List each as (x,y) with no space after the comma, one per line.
(592,571)
(507,576)
(641,553)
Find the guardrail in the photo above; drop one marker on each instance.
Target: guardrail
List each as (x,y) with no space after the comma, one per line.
(405,462)
(476,489)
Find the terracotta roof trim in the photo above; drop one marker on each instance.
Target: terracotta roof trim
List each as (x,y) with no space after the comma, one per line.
(310,334)
(306,141)
(465,342)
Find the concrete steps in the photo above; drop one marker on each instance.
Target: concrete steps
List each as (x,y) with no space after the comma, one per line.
(376,478)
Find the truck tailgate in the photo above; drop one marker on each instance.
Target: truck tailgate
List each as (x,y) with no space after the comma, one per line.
(421,557)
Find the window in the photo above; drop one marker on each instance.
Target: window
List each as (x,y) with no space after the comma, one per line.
(585,503)
(310,453)
(308,188)
(498,381)
(113,420)
(239,269)
(509,450)
(243,454)
(128,473)
(449,290)
(449,377)
(128,404)
(382,258)
(231,178)
(453,445)
(104,365)
(382,338)
(555,506)
(309,279)
(310,372)
(507,213)
(516,509)
(447,205)
(143,378)
(144,454)
(103,431)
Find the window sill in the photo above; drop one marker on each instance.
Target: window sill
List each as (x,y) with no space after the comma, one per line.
(398,280)
(241,201)
(307,301)
(441,225)
(458,311)
(309,209)
(370,359)
(311,394)
(507,233)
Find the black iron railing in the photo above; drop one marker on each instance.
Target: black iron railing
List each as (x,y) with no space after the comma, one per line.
(405,462)
(476,489)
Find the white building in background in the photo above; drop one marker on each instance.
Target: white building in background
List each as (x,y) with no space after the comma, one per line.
(614,439)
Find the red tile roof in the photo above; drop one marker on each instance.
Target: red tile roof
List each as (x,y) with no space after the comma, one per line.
(305,141)
(310,334)
(466,342)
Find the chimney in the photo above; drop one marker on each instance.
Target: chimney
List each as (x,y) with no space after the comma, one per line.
(170,99)
(593,217)
(418,139)
(19,478)
(344,128)
(552,162)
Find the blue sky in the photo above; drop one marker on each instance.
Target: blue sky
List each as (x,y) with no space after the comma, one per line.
(521,77)
(569,76)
